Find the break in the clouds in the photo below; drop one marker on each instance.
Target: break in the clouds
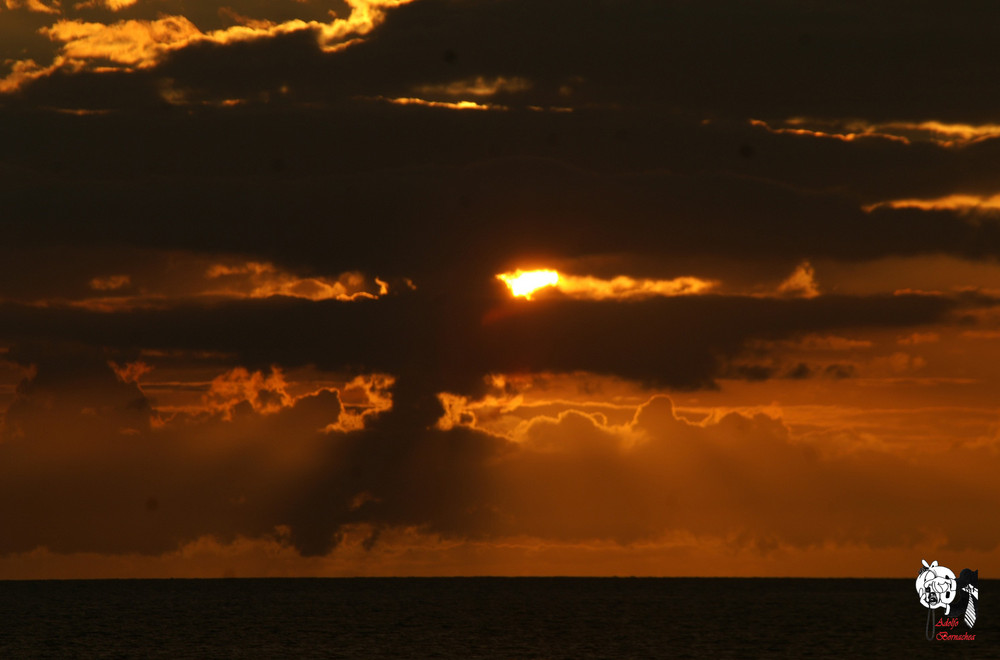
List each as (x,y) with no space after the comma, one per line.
(255,264)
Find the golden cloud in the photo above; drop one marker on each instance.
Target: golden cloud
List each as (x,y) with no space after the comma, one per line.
(363,397)
(265,394)
(262,280)
(113,5)
(23,72)
(628,288)
(33,5)
(140,44)
(853,131)
(949,135)
(170,278)
(449,105)
(801,283)
(132,43)
(525,283)
(957,202)
(847,130)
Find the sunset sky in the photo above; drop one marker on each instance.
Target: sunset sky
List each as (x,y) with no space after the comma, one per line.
(259,259)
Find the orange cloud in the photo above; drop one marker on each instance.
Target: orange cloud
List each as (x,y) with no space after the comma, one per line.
(139,44)
(132,43)
(626,288)
(449,105)
(957,202)
(941,133)
(167,279)
(859,132)
(22,73)
(362,398)
(261,280)
(113,5)
(801,283)
(264,394)
(33,5)
(526,283)
(949,135)
(130,372)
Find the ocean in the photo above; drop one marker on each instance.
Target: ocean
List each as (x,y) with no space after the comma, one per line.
(477,618)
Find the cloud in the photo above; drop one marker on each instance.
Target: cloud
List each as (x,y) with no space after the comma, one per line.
(570,478)
(681,341)
(130,43)
(32,5)
(262,280)
(162,278)
(852,131)
(130,372)
(517,214)
(22,72)
(449,105)
(113,5)
(264,394)
(117,484)
(948,203)
(800,75)
(801,283)
(955,134)
(940,133)
(144,43)
(622,287)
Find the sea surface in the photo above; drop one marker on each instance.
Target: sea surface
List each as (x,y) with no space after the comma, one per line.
(478,618)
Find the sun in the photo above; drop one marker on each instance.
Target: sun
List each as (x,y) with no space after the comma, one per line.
(523,283)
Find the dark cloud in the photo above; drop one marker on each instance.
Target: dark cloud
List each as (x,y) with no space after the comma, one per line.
(771,59)
(396,191)
(84,470)
(452,341)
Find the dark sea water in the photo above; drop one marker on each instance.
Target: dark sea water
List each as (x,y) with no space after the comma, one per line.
(478,618)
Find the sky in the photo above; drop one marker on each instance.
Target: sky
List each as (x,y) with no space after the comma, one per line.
(263,307)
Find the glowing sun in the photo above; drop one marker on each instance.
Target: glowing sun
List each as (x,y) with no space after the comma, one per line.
(525,282)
